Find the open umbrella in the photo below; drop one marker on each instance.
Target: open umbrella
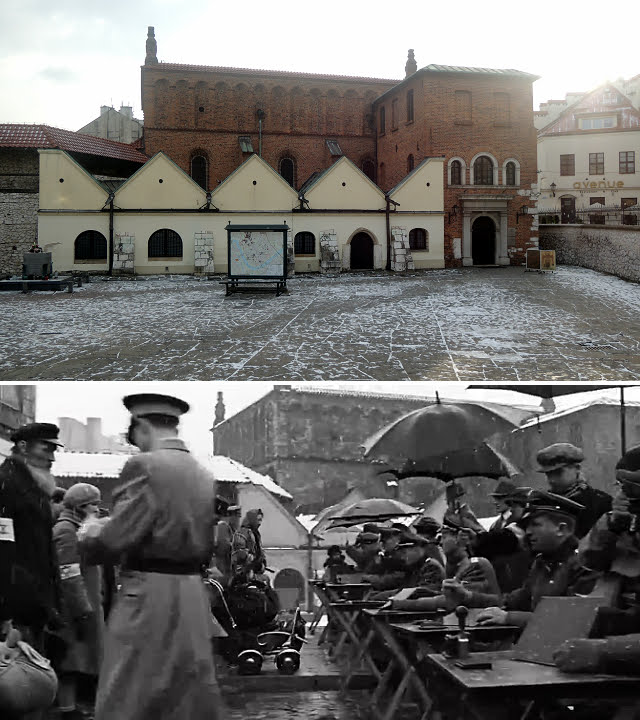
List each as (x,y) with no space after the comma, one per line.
(374,509)
(435,431)
(548,392)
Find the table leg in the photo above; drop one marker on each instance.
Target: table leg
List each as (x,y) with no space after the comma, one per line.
(355,663)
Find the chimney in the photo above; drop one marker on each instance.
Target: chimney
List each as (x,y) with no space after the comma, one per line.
(152,48)
(127,111)
(220,410)
(411,66)
(104,109)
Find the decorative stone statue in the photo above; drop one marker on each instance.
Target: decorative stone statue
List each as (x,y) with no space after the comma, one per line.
(152,48)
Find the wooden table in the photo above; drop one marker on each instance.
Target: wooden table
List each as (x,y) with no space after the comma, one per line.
(514,690)
(334,592)
(409,644)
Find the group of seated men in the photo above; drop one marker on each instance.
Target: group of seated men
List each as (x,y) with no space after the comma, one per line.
(570,539)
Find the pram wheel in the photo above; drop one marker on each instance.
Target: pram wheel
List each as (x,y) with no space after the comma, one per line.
(288,661)
(249,662)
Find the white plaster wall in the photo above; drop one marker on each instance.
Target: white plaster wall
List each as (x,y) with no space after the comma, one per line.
(58,232)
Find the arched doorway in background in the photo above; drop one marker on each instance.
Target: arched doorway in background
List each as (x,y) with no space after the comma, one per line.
(483,241)
(362,251)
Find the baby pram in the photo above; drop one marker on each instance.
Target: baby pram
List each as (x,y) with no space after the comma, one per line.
(248,612)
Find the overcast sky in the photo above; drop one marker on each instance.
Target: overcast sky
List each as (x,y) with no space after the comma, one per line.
(81,400)
(61,61)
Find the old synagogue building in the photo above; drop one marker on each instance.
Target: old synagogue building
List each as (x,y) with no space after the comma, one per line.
(209,120)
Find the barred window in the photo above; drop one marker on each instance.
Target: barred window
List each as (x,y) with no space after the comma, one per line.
(483,171)
(90,245)
(165,243)
(304,243)
(456,172)
(510,174)
(199,170)
(567,164)
(418,239)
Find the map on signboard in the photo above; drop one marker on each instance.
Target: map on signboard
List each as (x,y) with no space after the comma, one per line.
(256,253)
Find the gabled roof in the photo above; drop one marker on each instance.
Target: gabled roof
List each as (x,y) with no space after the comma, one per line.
(160,155)
(406,178)
(344,160)
(271,73)
(241,168)
(44,136)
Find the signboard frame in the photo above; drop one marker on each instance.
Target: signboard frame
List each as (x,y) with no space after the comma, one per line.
(284,229)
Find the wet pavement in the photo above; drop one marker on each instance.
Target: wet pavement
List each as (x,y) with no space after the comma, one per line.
(462,324)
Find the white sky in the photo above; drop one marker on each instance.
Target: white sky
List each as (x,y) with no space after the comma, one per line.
(104,399)
(59,62)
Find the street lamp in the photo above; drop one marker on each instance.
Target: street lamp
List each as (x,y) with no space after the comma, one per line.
(553,187)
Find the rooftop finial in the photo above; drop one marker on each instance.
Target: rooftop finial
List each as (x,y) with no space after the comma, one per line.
(152,48)
(411,65)
(220,410)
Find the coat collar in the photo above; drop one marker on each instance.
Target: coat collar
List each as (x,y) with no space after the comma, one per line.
(172,443)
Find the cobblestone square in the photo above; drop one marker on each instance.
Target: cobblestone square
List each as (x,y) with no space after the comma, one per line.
(462,324)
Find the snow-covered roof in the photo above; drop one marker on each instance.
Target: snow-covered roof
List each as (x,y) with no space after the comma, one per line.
(545,417)
(224,469)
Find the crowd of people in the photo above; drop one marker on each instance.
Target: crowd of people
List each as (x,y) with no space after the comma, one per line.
(569,539)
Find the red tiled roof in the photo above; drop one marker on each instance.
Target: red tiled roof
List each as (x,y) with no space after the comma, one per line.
(138,143)
(44,136)
(275,73)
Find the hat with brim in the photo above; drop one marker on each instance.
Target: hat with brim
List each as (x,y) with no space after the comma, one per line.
(547,503)
(144,404)
(44,432)
(389,532)
(449,523)
(503,489)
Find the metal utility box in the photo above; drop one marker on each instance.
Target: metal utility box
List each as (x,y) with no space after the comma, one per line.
(541,260)
(36,265)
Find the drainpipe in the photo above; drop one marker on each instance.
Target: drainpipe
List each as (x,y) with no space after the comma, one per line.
(390,202)
(110,233)
(309,596)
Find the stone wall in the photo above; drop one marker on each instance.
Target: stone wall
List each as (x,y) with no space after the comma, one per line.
(329,252)
(124,254)
(401,258)
(203,250)
(613,250)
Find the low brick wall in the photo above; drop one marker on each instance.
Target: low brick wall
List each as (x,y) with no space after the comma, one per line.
(609,249)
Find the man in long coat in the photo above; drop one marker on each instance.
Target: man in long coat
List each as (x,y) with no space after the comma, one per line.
(29,583)
(158,662)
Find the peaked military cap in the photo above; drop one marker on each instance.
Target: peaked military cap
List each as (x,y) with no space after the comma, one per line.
(628,467)
(503,488)
(543,502)
(427,524)
(154,404)
(389,532)
(558,455)
(451,523)
(519,495)
(367,538)
(47,432)
(370,528)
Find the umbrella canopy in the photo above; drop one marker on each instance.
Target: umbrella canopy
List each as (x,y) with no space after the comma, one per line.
(435,431)
(363,511)
(545,391)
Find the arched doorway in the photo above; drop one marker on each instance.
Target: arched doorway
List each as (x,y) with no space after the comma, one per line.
(289,584)
(483,241)
(362,252)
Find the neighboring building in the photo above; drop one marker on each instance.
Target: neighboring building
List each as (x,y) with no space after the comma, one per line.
(17,407)
(588,151)
(310,441)
(20,182)
(77,436)
(481,121)
(117,125)
(210,119)
(163,222)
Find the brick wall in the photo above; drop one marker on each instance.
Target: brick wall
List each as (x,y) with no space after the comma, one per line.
(301,113)
(440,130)
(609,249)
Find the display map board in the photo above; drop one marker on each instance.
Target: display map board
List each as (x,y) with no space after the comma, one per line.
(257,252)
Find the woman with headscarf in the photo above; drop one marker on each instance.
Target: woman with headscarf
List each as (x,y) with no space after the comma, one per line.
(82,597)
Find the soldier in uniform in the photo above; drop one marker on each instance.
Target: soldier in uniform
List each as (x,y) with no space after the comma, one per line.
(557,569)
(29,580)
(157,657)
(561,462)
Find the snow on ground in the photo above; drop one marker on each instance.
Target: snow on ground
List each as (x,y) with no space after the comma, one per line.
(460,324)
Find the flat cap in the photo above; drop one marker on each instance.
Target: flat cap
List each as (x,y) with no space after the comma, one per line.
(48,432)
(503,488)
(558,455)
(153,404)
(543,502)
(628,467)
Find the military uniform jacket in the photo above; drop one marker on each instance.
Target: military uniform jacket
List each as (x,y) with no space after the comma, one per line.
(29,589)
(561,575)
(596,504)
(157,657)
(398,568)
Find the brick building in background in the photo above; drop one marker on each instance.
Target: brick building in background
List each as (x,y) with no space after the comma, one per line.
(210,119)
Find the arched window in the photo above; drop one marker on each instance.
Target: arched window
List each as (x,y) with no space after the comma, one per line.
(456,172)
(418,239)
(304,243)
(199,170)
(510,174)
(287,170)
(483,171)
(165,243)
(90,245)
(410,164)
(369,169)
